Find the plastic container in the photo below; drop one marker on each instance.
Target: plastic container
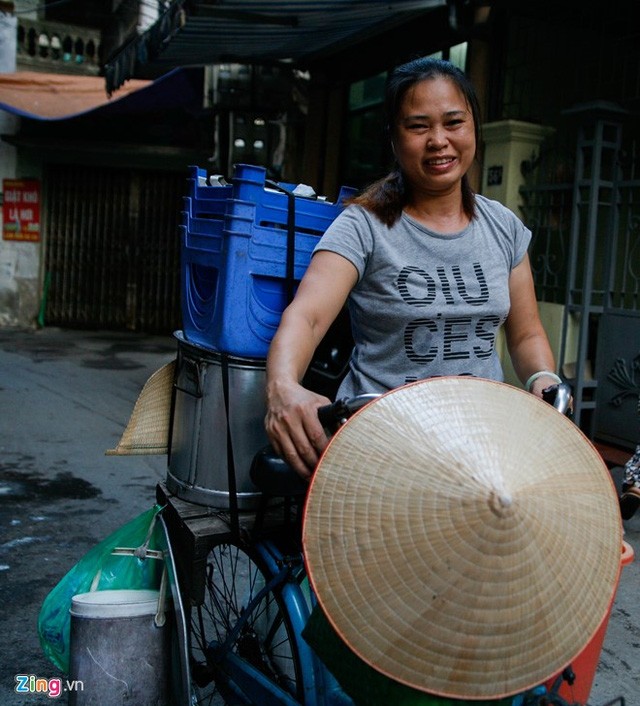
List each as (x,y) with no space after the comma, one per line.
(207,198)
(312,214)
(584,666)
(117,652)
(200,260)
(236,278)
(210,222)
(254,286)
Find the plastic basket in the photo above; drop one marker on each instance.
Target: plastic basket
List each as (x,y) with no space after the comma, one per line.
(241,264)
(201,188)
(584,666)
(199,276)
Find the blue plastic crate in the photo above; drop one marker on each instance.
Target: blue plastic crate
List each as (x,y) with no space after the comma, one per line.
(206,200)
(200,230)
(243,215)
(253,287)
(205,208)
(233,297)
(210,224)
(253,290)
(250,185)
(202,186)
(200,260)
(235,290)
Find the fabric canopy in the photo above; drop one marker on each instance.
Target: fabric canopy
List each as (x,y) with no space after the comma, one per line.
(204,32)
(50,97)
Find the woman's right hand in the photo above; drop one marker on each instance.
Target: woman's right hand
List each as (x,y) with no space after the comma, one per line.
(292,422)
(293,426)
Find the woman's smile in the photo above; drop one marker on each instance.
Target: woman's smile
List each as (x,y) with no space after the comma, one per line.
(439,163)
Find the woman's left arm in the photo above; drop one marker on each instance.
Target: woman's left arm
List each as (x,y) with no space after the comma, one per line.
(526,338)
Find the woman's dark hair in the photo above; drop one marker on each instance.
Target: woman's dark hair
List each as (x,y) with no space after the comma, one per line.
(387,196)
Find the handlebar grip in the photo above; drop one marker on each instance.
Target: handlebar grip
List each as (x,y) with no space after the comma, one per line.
(333,415)
(559,396)
(330,415)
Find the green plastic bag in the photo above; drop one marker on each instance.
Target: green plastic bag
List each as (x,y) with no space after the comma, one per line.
(100,570)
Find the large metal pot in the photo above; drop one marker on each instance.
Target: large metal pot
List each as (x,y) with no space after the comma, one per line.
(202,420)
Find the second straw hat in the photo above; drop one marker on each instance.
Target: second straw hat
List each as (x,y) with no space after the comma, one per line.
(463,537)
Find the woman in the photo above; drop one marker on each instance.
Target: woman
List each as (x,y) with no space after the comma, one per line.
(429,270)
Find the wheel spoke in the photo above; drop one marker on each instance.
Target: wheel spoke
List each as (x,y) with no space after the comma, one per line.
(233,579)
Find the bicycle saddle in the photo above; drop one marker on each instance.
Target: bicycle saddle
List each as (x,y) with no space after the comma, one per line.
(272,475)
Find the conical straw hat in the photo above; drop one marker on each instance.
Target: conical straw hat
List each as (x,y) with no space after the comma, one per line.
(147,431)
(463,537)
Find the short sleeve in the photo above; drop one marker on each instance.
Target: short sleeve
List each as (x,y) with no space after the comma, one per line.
(351,236)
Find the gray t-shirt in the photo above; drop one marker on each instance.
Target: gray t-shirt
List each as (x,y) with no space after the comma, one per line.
(426,304)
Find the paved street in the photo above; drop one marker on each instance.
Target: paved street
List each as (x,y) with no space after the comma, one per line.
(65,397)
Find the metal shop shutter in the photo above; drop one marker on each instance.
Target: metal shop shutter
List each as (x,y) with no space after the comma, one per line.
(112,248)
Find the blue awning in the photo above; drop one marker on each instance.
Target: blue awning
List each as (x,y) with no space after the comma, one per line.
(55,97)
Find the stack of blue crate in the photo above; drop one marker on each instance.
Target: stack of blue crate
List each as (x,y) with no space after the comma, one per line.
(244,248)
(201,227)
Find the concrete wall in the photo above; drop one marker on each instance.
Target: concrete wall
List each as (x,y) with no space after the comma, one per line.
(507,144)
(19,262)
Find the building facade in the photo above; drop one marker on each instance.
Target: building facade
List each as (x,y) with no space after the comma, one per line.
(559,85)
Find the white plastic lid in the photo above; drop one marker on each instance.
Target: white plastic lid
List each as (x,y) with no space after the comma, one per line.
(124,603)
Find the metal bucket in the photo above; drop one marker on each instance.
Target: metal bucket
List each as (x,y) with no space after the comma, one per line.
(118,654)
(198,455)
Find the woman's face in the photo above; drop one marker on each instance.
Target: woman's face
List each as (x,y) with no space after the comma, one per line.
(434,138)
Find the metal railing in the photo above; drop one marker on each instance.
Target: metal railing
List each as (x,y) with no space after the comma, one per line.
(57,48)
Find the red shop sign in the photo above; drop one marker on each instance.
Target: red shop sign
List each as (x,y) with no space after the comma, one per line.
(21,209)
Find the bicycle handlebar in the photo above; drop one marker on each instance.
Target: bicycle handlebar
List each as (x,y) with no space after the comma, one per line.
(334,415)
(559,396)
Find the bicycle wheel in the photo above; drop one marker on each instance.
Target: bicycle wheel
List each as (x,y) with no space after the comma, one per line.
(242,646)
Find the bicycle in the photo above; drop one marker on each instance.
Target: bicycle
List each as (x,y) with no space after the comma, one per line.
(241,638)
(245,633)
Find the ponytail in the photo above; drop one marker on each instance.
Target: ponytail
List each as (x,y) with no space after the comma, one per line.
(385,198)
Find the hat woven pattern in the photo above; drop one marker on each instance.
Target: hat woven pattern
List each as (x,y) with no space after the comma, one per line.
(147,431)
(463,537)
